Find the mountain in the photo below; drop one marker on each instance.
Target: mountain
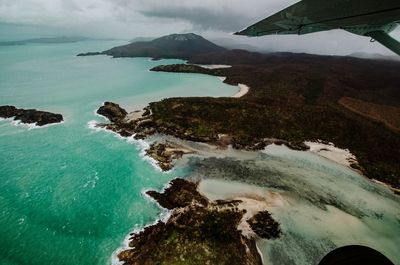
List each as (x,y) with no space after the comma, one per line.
(141,39)
(235,44)
(179,46)
(55,40)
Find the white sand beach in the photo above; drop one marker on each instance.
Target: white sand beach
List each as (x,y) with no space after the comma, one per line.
(243,90)
(215,66)
(333,153)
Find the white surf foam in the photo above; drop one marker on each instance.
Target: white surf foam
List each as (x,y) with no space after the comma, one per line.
(32,126)
(141,145)
(163,217)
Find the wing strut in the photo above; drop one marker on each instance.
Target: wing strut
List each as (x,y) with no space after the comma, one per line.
(386,40)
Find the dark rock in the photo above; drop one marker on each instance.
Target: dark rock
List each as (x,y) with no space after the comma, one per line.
(125,133)
(90,54)
(180,193)
(30,116)
(147,112)
(165,154)
(182,68)
(112,111)
(265,226)
(299,146)
(8,111)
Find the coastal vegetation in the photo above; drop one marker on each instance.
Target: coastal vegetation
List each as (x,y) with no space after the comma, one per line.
(296,98)
(199,231)
(293,99)
(350,102)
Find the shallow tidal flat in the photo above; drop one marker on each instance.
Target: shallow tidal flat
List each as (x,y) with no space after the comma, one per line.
(320,205)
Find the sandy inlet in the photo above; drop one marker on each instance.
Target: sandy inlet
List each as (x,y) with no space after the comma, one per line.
(335,154)
(243,90)
(215,66)
(254,199)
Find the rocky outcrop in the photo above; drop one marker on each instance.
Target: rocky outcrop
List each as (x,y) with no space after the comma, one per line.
(166,153)
(180,193)
(142,124)
(264,226)
(90,54)
(183,68)
(30,116)
(198,231)
(112,111)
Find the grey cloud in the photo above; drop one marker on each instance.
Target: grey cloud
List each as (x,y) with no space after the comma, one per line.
(131,18)
(203,18)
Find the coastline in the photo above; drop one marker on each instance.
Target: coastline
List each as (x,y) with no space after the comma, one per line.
(251,201)
(275,199)
(150,151)
(140,144)
(294,114)
(327,151)
(243,90)
(29,126)
(214,66)
(345,158)
(331,152)
(189,212)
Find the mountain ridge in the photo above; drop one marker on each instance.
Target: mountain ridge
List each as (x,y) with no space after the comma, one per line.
(174,46)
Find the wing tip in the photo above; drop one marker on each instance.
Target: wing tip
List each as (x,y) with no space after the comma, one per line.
(242,32)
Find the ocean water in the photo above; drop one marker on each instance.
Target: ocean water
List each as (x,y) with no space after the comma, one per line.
(70,194)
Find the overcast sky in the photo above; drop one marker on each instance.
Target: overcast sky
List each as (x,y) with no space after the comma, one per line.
(127,19)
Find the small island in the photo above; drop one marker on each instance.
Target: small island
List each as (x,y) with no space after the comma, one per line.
(30,116)
(199,231)
(55,40)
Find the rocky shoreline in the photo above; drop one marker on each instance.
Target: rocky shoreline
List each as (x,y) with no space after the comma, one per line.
(166,153)
(304,107)
(142,124)
(30,116)
(198,231)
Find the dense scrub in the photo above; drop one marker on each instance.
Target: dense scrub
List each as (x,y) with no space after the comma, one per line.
(295,98)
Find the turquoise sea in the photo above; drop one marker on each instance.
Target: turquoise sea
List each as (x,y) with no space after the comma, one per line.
(70,194)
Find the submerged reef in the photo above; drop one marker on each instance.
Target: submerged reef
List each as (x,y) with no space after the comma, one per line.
(198,231)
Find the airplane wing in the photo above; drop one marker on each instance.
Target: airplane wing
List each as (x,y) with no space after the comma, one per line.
(284,22)
(372,18)
(309,16)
